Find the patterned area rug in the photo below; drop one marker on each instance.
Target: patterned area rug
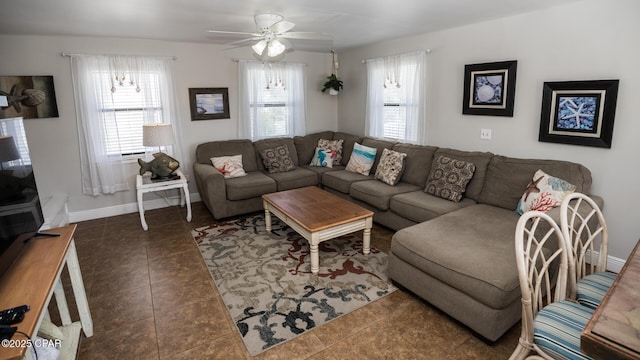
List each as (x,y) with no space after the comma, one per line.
(266,283)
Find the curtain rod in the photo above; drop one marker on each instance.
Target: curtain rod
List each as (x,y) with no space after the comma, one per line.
(156,56)
(268,62)
(428,51)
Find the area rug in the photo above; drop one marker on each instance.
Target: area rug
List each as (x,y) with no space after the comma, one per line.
(266,283)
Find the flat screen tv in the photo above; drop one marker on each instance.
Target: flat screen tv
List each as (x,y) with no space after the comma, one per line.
(20,210)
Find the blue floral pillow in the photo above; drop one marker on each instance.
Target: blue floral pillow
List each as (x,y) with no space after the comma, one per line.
(323,157)
(362,159)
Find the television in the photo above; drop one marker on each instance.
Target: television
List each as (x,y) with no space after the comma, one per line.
(20,210)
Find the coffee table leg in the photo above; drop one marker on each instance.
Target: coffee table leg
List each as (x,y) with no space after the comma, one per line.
(267,219)
(366,236)
(315,257)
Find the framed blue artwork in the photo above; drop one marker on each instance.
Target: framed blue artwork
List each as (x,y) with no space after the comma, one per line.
(489,88)
(579,112)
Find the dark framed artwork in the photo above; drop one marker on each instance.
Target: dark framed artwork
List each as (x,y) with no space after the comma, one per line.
(29,97)
(579,112)
(489,88)
(209,103)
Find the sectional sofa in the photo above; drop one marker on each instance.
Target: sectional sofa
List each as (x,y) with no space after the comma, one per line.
(459,256)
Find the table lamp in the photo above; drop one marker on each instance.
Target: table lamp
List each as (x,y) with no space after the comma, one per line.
(162,166)
(8,150)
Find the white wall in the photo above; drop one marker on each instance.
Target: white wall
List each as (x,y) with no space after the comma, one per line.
(54,141)
(588,40)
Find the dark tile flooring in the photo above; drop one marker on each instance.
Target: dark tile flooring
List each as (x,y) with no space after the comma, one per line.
(151,297)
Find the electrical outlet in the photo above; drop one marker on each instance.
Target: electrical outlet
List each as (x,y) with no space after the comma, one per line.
(485,134)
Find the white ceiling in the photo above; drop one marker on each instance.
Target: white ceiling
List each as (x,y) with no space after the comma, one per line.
(352,22)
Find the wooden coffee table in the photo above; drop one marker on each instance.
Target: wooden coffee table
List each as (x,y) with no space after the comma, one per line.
(318,216)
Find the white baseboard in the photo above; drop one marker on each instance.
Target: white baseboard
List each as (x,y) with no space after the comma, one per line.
(92,214)
(615,264)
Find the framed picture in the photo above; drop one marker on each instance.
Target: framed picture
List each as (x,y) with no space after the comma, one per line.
(489,88)
(209,103)
(579,112)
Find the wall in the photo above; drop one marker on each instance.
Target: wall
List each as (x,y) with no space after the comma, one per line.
(588,40)
(54,142)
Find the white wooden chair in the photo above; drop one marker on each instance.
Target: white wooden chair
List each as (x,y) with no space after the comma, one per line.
(551,326)
(584,228)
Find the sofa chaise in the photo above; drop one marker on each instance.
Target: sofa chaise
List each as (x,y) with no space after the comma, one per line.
(459,256)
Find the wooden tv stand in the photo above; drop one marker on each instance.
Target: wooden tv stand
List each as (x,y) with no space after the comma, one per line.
(32,280)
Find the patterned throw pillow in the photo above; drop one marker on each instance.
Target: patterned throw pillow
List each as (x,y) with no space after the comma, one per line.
(362,159)
(390,167)
(323,158)
(277,159)
(543,193)
(449,178)
(229,166)
(335,145)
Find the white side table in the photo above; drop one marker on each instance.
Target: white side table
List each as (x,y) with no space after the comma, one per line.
(144,184)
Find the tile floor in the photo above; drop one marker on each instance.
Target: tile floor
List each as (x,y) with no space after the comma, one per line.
(151,297)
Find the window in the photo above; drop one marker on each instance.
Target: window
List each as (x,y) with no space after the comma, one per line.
(395,97)
(272,100)
(115,96)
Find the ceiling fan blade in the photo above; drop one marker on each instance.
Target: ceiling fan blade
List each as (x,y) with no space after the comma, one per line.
(232,32)
(287,44)
(307,35)
(242,41)
(282,26)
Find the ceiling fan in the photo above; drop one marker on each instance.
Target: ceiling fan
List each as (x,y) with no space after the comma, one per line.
(272,32)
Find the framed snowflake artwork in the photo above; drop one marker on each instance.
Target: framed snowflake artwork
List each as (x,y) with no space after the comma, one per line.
(489,88)
(579,112)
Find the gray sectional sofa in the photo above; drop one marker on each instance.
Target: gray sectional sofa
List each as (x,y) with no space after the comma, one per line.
(459,256)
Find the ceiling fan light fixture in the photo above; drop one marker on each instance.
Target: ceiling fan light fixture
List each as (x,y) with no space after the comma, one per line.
(275,48)
(259,47)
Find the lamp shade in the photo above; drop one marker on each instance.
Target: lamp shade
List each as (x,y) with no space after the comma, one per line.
(8,149)
(157,135)
(3,101)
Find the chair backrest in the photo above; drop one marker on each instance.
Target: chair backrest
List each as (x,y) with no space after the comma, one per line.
(541,257)
(583,228)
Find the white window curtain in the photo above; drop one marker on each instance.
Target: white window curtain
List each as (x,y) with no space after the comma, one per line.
(396,95)
(110,124)
(272,99)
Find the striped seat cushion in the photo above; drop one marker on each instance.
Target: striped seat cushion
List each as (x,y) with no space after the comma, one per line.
(557,328)
(592,288)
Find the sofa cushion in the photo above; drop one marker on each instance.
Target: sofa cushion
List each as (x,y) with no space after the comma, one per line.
(348,141)
(341,180)
(265,144)
(479,159)
(321,170)
(449,178)
(543,193)
(470,249)
(323,157)
(507,178)
(205,151)
(391,167)
(377,193)
(419,206)
(417,165)
(253,185)
(379,144)
(277,159)
(229,166)
(335,146)
(362,159)
(294,179)
(305,145)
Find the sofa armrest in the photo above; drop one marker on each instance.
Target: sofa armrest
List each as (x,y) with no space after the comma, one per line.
(212,189)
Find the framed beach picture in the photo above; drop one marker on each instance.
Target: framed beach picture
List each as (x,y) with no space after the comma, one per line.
(579,112)
(489,88)
(209,103)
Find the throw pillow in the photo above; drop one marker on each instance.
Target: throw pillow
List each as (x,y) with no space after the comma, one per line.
(229,166)
(449,178)
(277,159)
(390,166)
(323,158)
(362,159)
(334,145)
(543,193)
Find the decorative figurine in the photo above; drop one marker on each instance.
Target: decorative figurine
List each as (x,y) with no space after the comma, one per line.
(161,167)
